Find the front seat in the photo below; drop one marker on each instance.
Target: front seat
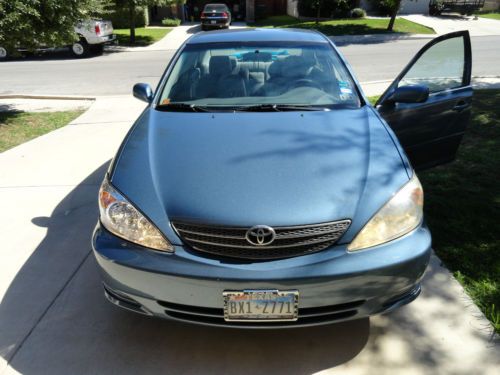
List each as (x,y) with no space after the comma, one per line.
(221,82)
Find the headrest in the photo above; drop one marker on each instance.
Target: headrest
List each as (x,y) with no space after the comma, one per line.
(275,68)
(295,67)
(220,65)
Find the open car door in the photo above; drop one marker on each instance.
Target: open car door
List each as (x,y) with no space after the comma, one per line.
(428,105)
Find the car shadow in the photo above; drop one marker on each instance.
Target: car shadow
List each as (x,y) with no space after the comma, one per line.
(55,305)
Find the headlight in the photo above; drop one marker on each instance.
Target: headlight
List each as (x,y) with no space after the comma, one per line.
(400,215)
(121,218)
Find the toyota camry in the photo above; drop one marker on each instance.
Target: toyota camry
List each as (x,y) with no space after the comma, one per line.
(260,188)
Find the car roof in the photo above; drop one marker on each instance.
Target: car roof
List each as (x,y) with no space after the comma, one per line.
(258,35)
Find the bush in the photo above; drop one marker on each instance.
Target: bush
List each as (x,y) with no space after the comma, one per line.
(358,13)
(172,22)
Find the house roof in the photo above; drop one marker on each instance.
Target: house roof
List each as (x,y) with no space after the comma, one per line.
(258,35)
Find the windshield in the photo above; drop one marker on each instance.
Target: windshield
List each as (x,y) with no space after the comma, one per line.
(215,7)
(234,76)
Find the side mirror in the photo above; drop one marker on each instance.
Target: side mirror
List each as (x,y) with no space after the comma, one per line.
(409,94)
(144,92)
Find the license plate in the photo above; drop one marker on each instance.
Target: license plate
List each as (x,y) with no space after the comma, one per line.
(213,22)
(261,305)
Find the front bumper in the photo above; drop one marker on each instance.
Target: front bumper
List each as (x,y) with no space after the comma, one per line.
(334,285)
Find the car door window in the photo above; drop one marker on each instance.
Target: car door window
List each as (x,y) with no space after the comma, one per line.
(440,68)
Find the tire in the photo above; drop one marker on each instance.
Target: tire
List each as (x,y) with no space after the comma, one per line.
(80,49)
(97,49)
(3,53)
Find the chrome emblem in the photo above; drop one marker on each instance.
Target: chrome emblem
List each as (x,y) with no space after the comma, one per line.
(260,235)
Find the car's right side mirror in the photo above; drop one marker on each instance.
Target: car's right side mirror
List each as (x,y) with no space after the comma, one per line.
(409,94)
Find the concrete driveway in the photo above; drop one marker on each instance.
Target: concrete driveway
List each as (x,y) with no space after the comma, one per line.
(54,319)
(454,22)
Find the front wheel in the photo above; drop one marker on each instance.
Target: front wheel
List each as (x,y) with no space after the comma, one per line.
(80,48)
(3,53)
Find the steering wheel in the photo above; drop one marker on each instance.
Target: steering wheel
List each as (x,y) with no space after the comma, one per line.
(306,82)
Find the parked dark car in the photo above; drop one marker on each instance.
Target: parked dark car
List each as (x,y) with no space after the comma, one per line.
(259,188)
(464,7)
(215,16)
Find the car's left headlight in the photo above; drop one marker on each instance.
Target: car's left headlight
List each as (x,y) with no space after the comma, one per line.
(121,218)
(400,215)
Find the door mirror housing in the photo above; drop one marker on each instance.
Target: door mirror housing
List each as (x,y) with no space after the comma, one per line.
(409,94)
(144,92)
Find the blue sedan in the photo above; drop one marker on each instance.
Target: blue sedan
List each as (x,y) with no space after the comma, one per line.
(260,189)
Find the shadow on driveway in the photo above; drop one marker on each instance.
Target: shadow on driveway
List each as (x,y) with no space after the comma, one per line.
(55,320)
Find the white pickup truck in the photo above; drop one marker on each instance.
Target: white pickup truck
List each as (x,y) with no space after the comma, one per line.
(92,36)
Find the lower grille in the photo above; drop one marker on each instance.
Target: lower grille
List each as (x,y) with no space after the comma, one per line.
(307,316)
(288,242)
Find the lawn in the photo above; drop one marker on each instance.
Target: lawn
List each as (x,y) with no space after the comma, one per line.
(495,16)
(144,36)
(462,207)
(19,127)
(349,26)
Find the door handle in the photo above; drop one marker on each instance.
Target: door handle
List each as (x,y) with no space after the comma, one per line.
(461,105)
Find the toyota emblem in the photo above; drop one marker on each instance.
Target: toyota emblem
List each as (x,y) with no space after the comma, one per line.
(260,235)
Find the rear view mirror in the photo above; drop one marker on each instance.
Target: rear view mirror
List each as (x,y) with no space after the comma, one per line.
(144,92)
(409,94)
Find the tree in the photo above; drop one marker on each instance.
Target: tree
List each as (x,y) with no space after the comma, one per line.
(393,8)
(133,6)
(34,23)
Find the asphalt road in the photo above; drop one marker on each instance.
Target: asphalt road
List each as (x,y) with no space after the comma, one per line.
(115,73)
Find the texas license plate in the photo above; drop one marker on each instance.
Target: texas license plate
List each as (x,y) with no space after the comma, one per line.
(261,305)
(213,22)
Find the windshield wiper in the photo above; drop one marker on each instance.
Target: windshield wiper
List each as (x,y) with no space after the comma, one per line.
(181,107)
(278,108)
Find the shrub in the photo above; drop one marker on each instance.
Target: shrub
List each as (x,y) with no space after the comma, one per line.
(358,13)
(172,22)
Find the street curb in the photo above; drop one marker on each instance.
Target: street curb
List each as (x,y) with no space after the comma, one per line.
(46,97)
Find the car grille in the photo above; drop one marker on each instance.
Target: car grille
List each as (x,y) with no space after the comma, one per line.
(289,241)
(307,316)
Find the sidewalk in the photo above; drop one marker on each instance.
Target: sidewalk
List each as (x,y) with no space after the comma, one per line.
(173,40)
(54,319)
(449,23)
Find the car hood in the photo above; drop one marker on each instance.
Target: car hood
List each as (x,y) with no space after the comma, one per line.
(243,169)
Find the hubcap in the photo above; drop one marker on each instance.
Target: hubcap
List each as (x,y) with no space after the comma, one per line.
(78,49)
(3,53)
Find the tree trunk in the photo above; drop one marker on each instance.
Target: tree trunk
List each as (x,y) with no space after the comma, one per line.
(391,22)
(318,12)
(131,10)
(393,15)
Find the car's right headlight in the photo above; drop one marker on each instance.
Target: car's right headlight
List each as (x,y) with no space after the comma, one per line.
(121,218)
(400,215)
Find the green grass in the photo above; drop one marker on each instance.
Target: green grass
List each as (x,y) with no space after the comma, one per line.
(19,127)
(349,26)
(462,206)
(495,16)
(144,36)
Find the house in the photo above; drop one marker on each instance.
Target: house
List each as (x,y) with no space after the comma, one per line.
(242,10)
(250,10)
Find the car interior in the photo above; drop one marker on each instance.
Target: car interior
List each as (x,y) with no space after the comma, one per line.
(226,74)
